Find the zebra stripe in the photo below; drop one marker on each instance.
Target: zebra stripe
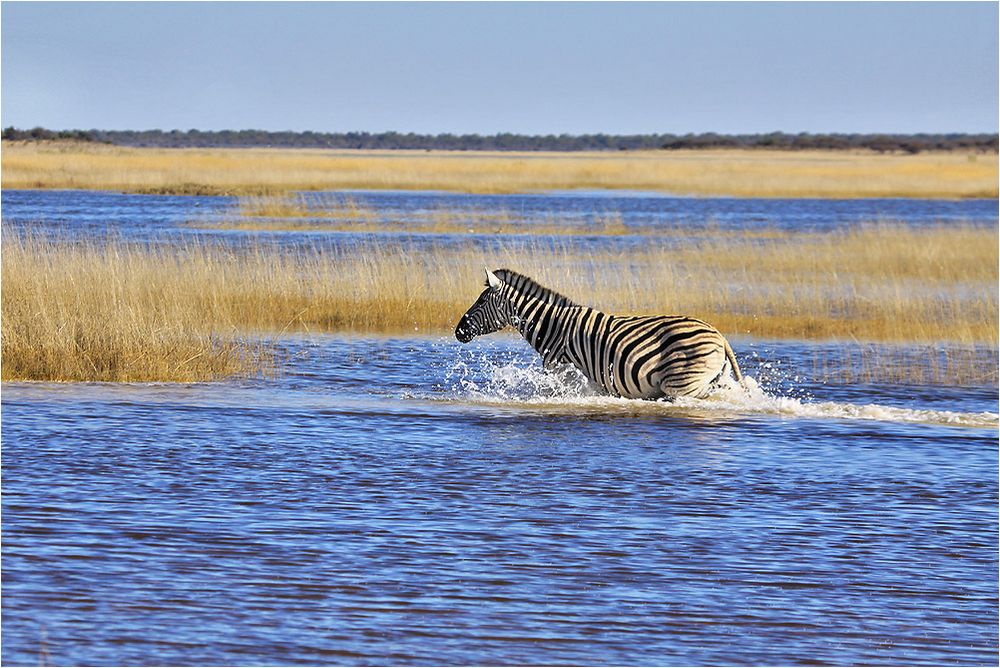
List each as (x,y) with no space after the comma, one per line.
(638,357)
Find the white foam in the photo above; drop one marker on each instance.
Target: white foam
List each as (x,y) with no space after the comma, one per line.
(514,384)
(750,397)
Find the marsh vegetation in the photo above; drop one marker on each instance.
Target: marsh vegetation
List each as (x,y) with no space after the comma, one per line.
(109,312)
(335,212)
(731,172)
(115,310)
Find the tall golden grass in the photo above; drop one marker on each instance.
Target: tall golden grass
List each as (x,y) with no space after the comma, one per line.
(108,312)
(739,173)
(116,311)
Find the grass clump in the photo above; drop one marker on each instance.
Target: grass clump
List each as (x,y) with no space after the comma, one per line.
(107,312)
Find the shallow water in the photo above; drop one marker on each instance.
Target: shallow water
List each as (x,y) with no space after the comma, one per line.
(167,218)
(414,501)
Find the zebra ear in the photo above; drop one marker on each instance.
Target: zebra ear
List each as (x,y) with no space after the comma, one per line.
(492,280)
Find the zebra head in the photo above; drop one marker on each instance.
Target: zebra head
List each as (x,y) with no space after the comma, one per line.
(489,314)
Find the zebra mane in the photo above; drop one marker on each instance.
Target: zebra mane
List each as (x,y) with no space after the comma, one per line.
(533,288)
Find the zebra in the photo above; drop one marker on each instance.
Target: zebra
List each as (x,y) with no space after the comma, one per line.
(635,357)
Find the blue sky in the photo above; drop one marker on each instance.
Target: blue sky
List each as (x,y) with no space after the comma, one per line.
(507,67)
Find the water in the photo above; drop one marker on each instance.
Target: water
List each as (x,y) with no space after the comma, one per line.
(160,217)
(414,501)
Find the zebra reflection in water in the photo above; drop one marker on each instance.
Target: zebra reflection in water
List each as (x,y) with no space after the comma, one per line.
(636,357)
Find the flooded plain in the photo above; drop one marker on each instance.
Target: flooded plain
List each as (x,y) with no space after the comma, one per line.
(410,500)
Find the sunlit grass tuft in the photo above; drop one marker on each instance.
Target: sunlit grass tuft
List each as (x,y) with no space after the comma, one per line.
(108,312)
(322,206)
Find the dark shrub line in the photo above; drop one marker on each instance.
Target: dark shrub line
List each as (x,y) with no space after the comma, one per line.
(882,143)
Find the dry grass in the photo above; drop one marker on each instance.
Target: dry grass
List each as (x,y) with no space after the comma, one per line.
(881,283)
(109,313)
(114,311)
(325,206)
(740,173)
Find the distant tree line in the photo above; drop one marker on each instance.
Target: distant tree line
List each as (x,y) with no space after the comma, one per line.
(41,134)
(883,143)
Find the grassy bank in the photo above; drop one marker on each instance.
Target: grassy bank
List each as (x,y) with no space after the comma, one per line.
(741,173)
(114,311)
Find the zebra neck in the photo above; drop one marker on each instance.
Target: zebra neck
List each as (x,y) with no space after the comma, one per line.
(544,325)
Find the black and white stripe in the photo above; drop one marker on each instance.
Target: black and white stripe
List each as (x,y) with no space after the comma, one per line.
(638,357)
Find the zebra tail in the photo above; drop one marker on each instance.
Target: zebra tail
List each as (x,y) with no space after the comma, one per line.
(732,362)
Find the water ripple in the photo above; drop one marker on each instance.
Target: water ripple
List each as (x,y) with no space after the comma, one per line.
(481,513)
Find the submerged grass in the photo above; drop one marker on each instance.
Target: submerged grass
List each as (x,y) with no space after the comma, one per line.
(967,365)
(116,311)
(329,212)
(740,173)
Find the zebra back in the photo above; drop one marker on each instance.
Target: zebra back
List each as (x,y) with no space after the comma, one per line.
(529,287)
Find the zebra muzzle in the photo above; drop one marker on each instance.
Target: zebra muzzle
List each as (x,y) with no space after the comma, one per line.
(463,333)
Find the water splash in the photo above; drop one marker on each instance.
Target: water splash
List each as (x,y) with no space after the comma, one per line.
(504,378)
(749,397)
